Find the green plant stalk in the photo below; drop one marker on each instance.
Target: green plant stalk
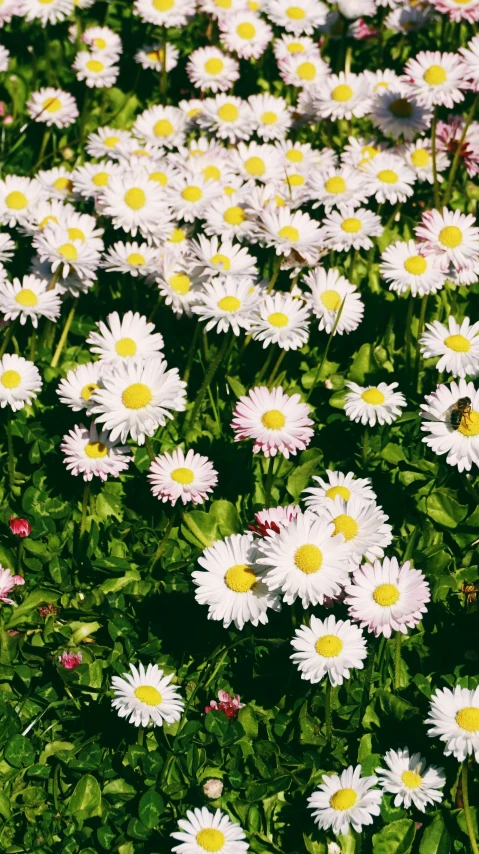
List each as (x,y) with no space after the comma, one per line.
(434,158)
(33,344)
(410,313)
(84,509)
(420,328)
(397,660)
(163,73)
(11,456)
(164,540)
(327,711)
(326,350)
(365,445)
(64,335)
(149,449)
(19,556)
(191,353)
(276,368)
(269,482)
(213,367)
(266,365)
(54,278)
(457,155)
(275,273)
(7,338)
(467,809)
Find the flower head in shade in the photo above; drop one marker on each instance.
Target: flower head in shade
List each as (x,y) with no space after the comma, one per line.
(202,831)
(93,454)
(179,476)
(446,432)
(385,597)
(329,648)
(454,718)
(337,485)
(410,780)
(19,381)
(328,291)
(277,422)
(125,338)
(274,519)
(70,660)
(19,527)
(456,345)
(345,800)
(362,524)
(7,582)
(372,405)
(76,389)
(226,703)
(144,695)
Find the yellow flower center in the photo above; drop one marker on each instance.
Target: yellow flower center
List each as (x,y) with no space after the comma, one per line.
(163,5)
(26,297)
(46,220)
(229,303)
(160,178)
(331,299)
(99,43)
(135,259)
(329,646)
(148,695)
(111,141)
(76,234)
(351,225)
(240,578)
(335,185)
(96,450)
(468,718)
(458,343)
(214,65)
(209,838)
(420,157)
(295,180)
(234,215)
(306,71)
(100,179)
(386,595)
(278,318)
(295,47)
(135,198)
(400,108)
(192,194)
(16,200)
(180,283)
(295,13)
(341,93)
(308,558)
(387,176)
(228,113)
(182,475)
(11,379)
(125,347)
(411,779)
(343,799)
(223,4)
(373,396)
(450,236)
(289,232)
(341,491)
(52,105)
(469,426)
(155,55)
(273,419)
(415,265)
(269,118)
(346,525)
(136,396)
(178,236)
(221,261)
(95,66)
(63,183)
(211,173)
(246,30)
(255,166)
(435,75)
(69,251)
(163,127)
(88,390)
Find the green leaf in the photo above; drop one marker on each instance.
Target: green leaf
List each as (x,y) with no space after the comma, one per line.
(236,386)
(395,838)
(119,789)
(226,516)
(31,603)
(217,723)
(248,721)
(150,808)
(444,509)
(300,476)
(364,364)
(19,751)
(436,838)
(114,585)
(200,528)
(86,797)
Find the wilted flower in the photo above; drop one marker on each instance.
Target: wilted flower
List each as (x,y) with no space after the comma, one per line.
(20,527)
(70,660)
(213,788)
(7,583)
(227,704)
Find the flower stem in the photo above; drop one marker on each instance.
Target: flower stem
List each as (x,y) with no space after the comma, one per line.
(19,556)
(141,735)
(420,328)
(266,365)
(7,338)
(164,540)
(467,809)
(326,350)
(365,445)
(457,155)
(11,456)
(434,159)
(163,74)
(269,482)
(54,278)
(397,660)
(33,344)
(149,449)
(276,368)
(191,354)
(213,367)
(63,336)
(327,711)
(84,509)
(275,273)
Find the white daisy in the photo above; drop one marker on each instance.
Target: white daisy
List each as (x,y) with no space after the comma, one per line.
(7,247)
(454,716)
(297,16)
(345,801)
(153,56)
(405,267)
(338,485)
(290,45)
(105,142)
(56,182)
(287,232)
(218,8)
(410,780)
(338,188)
(227,117)
(223,258)
(389,179)
(258,162)
(176,475)
(227,302)
(386,597)
(232,584)
(63,253)
(457,345)
(418,156)
(342,96)
(451,237)
(76,389)
(137,259)
(90,179)
(20,381)
(145,696)
(303,72)
(362,524)
(18,198)
(136,204)
(470,55)
(245,33)
(53,107)
(190,195)
(126,338)
(436,78)
(396,115)
(204,831)
(29,299)
(410,19)
(96,69)
(273,117)
(280,319)
(47,13)
(383,78)
(165,13)
(328,648)
(102,41)
(93,454)
(210,68)
(226,216)
(177,282)
(162,126)
(328,292)
(351,227)
(379,404)
(458,437)
(277,422)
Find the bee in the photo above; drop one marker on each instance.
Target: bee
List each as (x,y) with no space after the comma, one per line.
(470,593)
(461,409)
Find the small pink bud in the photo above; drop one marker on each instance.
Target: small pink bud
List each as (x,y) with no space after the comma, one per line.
(8,120)
(213,789)
(70,660)
(20,527)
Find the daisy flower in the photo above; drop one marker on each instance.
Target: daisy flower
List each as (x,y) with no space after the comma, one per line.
(297,16)
(226,216)
(218,8)
(153,56)
(232,585)
(418,156)
(227,302)
(126,338)
(467,10)
(305,560)
(470,54)
(389,179)
(303,71)
(291,45)
(457,344)
(96,69)
(210,68)
(4,58)
(342,96)
(436,78)
(56,182)
(18,198)
(7,583)
(191,195)
(396,115)
(103,41)
(345,801)
(145,696)
(451,236)
(7,247)
(106,141)
(383,78)
(8,9)
(273,519)
(340,188)
(372,405)
(328,648)
(385,597)
(409,19)
(93,454)
(289,231)
(303,156)
(227,117)
(272,116)
(29,299)
(47,13)
(90,179)
(410,780)
(245,33)
(177,282)
(338,485)
(280,319)
(76,389)
(187,477)
(164,126)
(205,831)
(63,253)
(223,258)
(137,259)
(362,524)
(20,381)
(136,204)
(165,13)
(52,107)
(405,268)
(258,162)
(454,716)
(350,228)
(460,443)
(277,422)
(135,398)
(328,292)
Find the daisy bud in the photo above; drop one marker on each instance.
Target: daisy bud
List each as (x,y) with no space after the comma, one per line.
(20,527)
(8,120)
(213,788)
(333,848)
(68,153)
(70,660)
